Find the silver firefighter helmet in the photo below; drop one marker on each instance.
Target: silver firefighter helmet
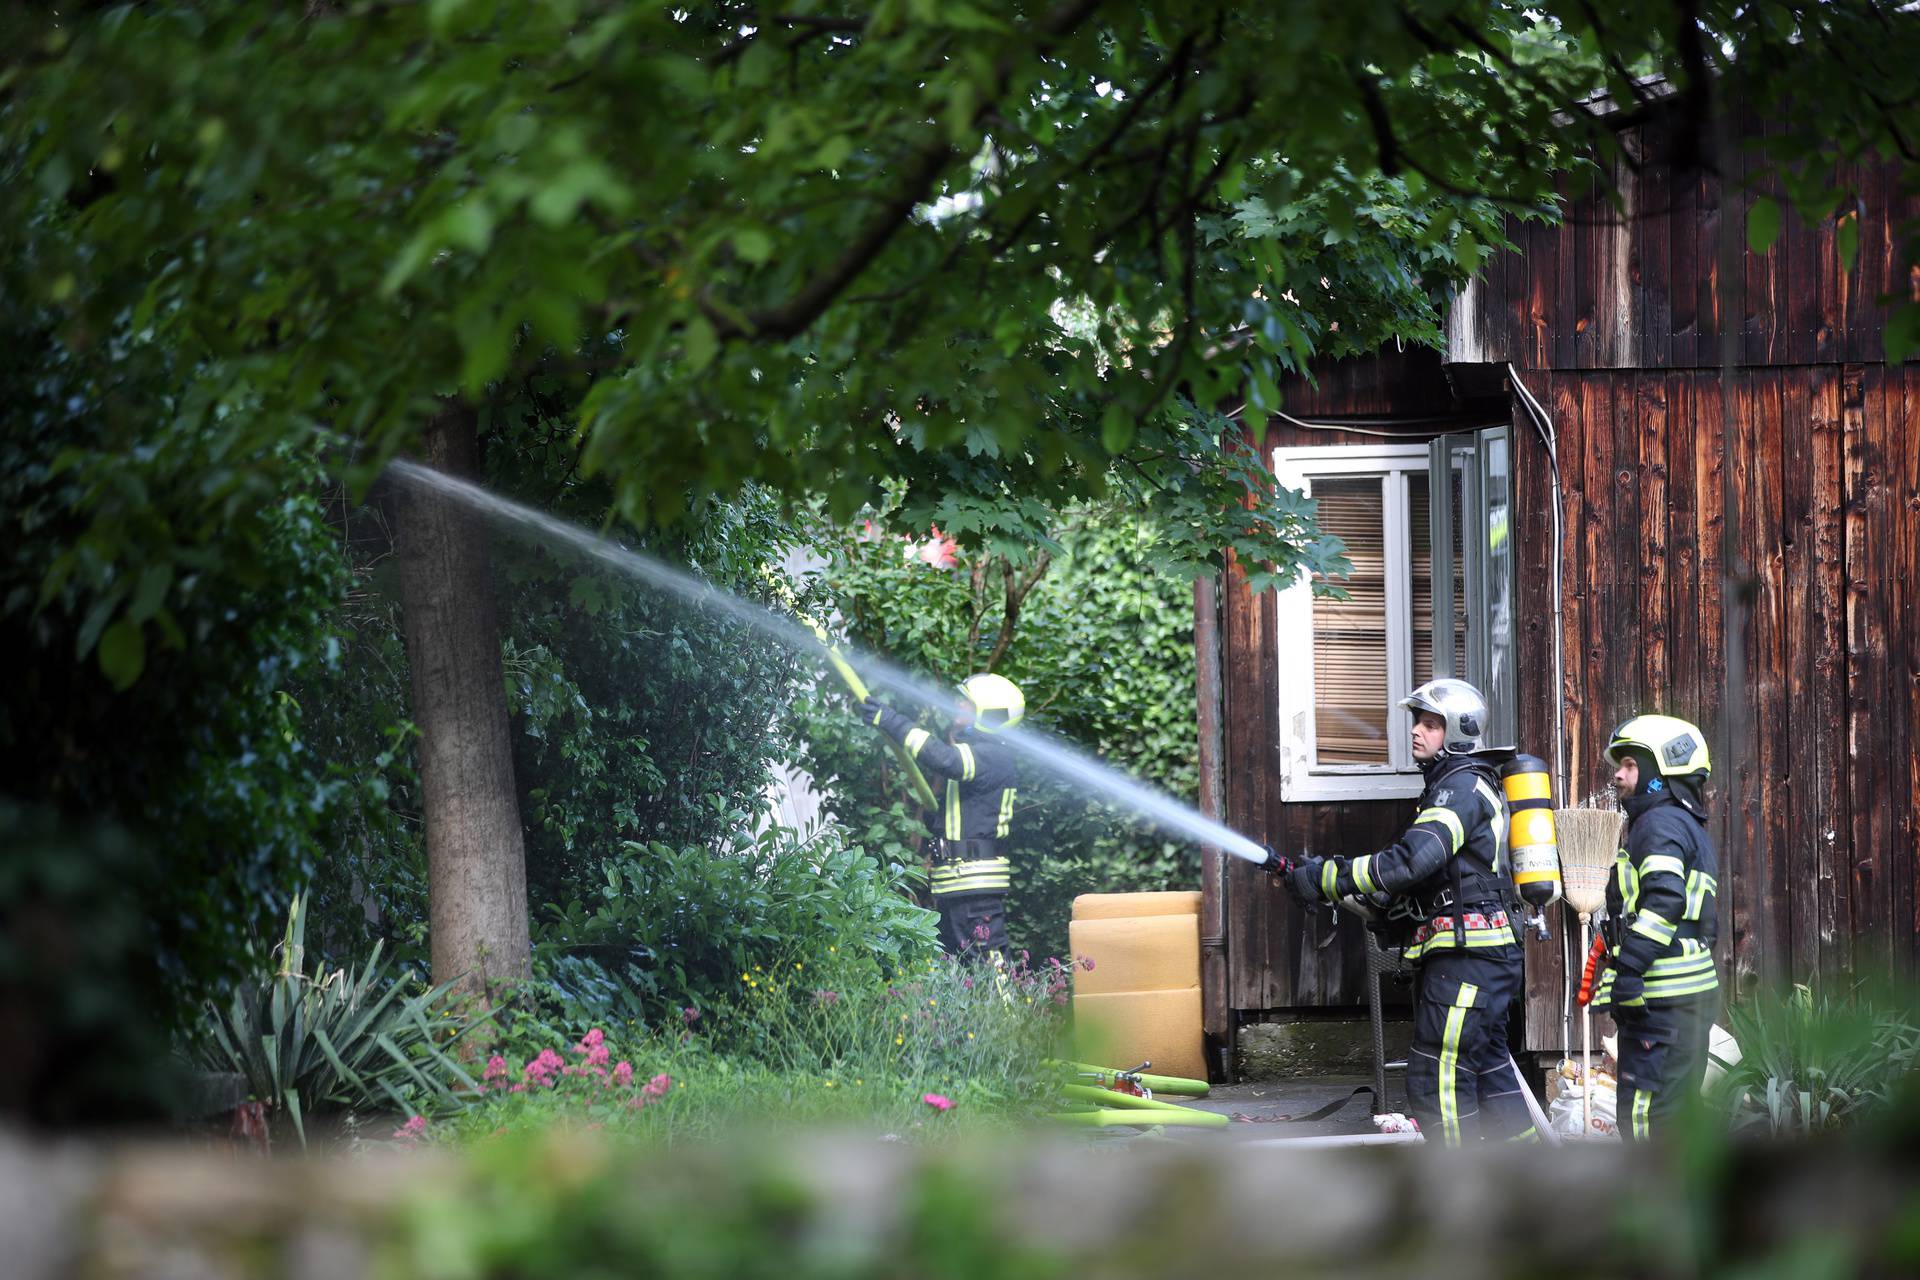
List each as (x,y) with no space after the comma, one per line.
(1460,705)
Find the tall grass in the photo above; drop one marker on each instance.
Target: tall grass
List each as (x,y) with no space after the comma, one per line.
(944,1047)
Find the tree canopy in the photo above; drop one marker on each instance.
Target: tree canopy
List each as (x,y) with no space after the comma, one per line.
(997,251)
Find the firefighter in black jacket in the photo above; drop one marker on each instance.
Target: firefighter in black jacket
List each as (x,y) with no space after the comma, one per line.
(1445,881)
(1660,983)
(970,867)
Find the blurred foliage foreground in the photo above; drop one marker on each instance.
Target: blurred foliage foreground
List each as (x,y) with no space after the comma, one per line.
(567,1202)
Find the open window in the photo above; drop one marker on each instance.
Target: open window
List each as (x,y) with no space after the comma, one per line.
(1421,522)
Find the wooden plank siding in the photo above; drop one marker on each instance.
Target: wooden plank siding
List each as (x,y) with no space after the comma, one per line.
(1637,274)
(1741,502)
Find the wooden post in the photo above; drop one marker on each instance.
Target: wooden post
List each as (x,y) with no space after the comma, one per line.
(1216,1017)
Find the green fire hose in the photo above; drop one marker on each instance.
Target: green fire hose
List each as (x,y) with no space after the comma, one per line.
(1126,1108)
(922,792)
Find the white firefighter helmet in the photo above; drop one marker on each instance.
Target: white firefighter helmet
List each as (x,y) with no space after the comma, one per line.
(1460,705)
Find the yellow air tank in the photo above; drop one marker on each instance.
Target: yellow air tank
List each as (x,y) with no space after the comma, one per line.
(1531,849)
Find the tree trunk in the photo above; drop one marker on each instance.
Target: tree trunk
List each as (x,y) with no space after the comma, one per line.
(476,854)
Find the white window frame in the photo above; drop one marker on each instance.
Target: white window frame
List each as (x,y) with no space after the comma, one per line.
(1301,780)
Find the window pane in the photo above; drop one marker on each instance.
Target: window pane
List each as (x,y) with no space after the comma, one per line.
(1499,591)
(1421,569)
(1461,463)
(1350,636)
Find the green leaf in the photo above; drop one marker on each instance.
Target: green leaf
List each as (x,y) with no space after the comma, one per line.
(753,244)
(1116,428)
(123,652)
(150,591)
(703,344)
(1763,224)
(1466,252)
(1846,238)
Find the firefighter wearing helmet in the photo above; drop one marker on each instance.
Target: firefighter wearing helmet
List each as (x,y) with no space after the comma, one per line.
(1443,884)
(977,782)
(1660,982)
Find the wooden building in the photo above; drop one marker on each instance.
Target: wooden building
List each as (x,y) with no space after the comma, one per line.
(1739,545)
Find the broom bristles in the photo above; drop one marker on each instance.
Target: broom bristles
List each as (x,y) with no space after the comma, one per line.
(1588,839)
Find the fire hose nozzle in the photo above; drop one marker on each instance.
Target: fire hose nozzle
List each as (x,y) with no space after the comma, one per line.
(1277,864)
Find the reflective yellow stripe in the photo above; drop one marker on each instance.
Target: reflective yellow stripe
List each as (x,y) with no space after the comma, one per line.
(1006,813)
(1654,863)
(1651,925)
(1445,941)
(916,739)
(966,762)
(1699,885)
(953,809)
(1642,1110)
(1447,818)
(1497,809)
(1450,1061)
(1363,874)
(1329,876)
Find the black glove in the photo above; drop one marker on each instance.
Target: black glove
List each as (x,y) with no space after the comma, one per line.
(1303,882)
(1628,987)
(871,711)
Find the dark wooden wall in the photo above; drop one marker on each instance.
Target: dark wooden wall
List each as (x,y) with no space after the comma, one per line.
(1650,270)
(1814,470)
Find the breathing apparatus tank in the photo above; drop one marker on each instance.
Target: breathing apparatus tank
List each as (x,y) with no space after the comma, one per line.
(1532,851)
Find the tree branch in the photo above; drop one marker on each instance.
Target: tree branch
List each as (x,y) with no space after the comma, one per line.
(923,168)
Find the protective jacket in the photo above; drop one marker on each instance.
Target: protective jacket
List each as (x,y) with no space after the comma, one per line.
(976,803)
(1662,914)
(1449,867)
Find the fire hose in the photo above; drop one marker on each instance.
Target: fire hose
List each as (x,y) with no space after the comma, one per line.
(922,792)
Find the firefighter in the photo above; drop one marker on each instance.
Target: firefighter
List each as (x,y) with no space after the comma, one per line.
(1660,983)
(975,818)
(1444,886)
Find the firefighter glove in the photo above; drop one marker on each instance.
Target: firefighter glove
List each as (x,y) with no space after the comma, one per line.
(871,711)
(1303,882)
(1628,987)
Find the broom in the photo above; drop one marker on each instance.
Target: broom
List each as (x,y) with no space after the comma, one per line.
(1588,839)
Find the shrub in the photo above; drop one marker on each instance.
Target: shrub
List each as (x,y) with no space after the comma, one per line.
(1812,1061)
(669,929)
(346,1038)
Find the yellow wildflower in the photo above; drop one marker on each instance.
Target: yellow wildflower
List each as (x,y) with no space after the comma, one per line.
(899,1039)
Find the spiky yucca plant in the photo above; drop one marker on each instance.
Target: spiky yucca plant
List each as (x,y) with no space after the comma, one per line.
(341,1037)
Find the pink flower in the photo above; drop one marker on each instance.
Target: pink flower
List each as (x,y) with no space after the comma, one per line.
(623,1073)
(939,551)
(824,996)
(689,1015)
(1086,962)
(657,1086)
(868,532)
(938,1101)
(542,1068)
(598,1056)
(496,1070)
(412,1130)
(593,1040)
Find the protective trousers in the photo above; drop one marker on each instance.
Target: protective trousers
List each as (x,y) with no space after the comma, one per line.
(1663,1059)
(973,924)
(1460,1081)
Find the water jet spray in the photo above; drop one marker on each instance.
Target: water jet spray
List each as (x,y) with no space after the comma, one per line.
(1046,753)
